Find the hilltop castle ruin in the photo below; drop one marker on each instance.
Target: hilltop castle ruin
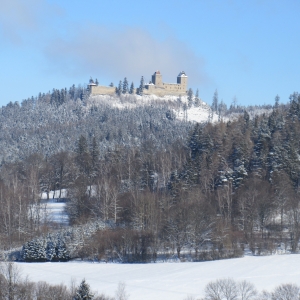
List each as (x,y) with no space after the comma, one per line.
(155,87)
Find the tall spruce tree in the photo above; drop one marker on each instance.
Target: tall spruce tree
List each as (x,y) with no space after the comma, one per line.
(141,87)
(119,89)
(190,97)
(215,102)
(197,100)
(131,90)
(277,98)
(125,86)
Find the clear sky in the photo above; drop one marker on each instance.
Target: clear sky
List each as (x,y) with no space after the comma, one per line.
(244,49)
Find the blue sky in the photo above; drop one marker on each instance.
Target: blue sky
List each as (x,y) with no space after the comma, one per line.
(244,49)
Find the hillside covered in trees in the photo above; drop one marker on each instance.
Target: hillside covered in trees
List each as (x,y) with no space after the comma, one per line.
(143,185)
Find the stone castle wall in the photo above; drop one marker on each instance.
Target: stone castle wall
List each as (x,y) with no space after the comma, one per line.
(102,90)
(157,88)
(160,92)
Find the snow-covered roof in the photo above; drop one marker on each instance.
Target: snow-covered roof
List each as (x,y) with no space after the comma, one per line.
(182,74)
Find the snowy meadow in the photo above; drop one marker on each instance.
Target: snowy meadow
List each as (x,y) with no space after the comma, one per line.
(176,281)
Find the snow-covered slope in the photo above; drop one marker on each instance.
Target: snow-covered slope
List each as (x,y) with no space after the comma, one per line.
(195,114)
(170,280)
(179,106)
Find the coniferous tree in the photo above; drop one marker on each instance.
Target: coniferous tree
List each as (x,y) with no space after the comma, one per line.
(119,90)
(72,91)
(51,250)
(94,153)
(125,86)
(190,98)
(141,87)
(82,146)
(131,91)
(197,100)
(62,252)
(83,292)
(215,102)
(277,98)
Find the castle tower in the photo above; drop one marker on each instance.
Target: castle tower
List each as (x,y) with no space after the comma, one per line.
(183,80)
(157,79)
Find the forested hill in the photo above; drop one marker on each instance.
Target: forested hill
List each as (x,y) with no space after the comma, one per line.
(161,185)
(53,122)
(47,126)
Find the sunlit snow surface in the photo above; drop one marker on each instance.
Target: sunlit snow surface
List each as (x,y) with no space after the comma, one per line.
(53,210)
(200,114)
(174,281)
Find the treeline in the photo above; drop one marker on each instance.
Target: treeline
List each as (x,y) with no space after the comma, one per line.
(229,289)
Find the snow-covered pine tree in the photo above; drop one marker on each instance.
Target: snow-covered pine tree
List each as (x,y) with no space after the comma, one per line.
(141,87)
(51,249)
(83,292)
(197,100)
(131,90)
(125,86)
(94,153)
(62,252)
(119,90)
(34,251)
(82,146)
(26,251)
(215,102)
(277,98)
(190,98)
(41,254)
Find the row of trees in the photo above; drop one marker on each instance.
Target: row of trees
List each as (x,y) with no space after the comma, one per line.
(229,289)
(41,250)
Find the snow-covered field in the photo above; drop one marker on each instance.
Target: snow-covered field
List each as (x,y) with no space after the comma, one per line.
(174,281)
(53,210)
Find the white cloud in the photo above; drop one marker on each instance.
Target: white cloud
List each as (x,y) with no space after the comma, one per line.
(18,17)
(123,52)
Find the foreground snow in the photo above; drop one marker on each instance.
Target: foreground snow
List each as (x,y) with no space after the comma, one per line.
(169,280)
